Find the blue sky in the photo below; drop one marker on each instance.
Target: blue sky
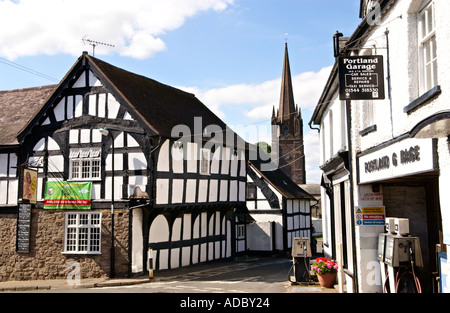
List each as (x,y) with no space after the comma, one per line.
(228,52)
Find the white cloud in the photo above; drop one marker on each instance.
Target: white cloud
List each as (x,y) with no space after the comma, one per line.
(258,100)
(135,27)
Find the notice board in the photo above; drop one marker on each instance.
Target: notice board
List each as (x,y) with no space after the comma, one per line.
(23,228)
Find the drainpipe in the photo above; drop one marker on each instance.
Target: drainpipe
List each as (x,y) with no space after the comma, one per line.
(337,53)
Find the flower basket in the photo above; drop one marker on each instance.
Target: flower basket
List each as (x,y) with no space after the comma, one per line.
(326,271)
(327,280)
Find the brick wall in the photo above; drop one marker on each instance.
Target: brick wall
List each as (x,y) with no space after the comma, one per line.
(46,260)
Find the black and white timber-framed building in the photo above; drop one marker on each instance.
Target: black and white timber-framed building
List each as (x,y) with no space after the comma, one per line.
(167,178)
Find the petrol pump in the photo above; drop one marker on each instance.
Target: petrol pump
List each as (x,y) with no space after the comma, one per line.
(301,255)
(399,254)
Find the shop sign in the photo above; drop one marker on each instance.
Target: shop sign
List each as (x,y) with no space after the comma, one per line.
(408,157)
(361,77)
(29,185)
(68,195)
(370,216)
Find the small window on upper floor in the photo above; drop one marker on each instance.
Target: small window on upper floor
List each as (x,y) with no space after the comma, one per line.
(428,77)
(251,191)
(85,164)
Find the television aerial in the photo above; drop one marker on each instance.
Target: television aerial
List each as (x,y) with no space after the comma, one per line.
(94,43)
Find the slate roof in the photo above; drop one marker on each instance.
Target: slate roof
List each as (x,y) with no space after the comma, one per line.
(17,107)
(281,182)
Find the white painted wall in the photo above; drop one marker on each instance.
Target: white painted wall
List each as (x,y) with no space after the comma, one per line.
(222,161)
(406,87)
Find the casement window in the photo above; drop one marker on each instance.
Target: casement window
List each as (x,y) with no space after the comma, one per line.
(427,48)
(82,233)
(204,161)
(251,191)
(85,164)
(240,229)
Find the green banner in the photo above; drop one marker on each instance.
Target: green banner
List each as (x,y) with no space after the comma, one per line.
(63,195)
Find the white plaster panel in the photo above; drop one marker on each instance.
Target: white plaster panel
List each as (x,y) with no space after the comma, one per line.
(203,191)
(81,81)
(223,190)
(242,191)
(233,190)
(93,105)
(215,162)
(78,106)
(163,158)
(102,105)
(190,190)
(213,190)
(113,107)
(192,157)
(60,110)
(137,161)
(56,164)
(177,190)
(226,157)
(85,136)
(73,136)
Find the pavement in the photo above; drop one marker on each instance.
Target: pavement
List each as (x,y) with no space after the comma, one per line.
(192,272)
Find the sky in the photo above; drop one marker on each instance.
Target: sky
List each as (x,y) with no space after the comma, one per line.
(229,53)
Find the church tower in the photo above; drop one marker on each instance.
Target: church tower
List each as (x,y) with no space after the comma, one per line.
(290,131)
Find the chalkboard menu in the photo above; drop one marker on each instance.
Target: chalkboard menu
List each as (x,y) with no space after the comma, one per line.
(23,228)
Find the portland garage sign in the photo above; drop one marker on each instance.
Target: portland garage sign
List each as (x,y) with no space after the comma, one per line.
(361,78)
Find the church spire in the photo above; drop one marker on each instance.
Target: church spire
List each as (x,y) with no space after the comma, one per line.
(287,105)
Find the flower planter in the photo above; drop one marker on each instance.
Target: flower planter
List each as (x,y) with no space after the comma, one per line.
(327,280)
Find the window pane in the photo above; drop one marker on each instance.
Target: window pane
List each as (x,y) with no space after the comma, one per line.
(86,169)
(74,154)
(95,168)
(84,219)
(95,240)
(83,239)
(430,17)
(71,235)
(428,72)
(75,169)
(71,219)
(85,153)
(427,50)
(95,219)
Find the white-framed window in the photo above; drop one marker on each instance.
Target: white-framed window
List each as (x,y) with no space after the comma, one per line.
(205,155)
(367,114)
(240,231)
(82,233)
(427,48)
(85,164)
